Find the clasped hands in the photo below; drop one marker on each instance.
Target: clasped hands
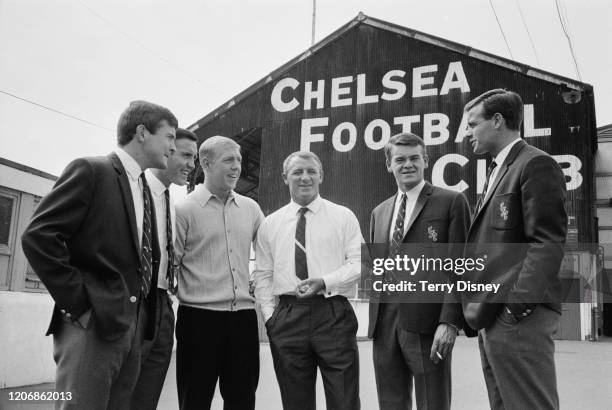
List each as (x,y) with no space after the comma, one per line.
(309,288)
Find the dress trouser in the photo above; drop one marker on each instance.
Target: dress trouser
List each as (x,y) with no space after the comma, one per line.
(99,374)
(400,357)
(518,362)
(156,356)
(216,345)
(309,333)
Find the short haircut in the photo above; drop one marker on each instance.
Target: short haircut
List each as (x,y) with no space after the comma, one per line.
(182,133)
(505,102)
(211,146)
(404,139)
(303,155)
(142,112)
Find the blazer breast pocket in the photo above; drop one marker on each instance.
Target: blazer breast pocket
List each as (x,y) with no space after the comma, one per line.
(504,211)
(434,232)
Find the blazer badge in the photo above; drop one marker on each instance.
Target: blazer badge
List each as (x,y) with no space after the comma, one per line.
(432,234)
(503,211)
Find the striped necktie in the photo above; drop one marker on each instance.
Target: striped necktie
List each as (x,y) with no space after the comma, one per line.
(482,196)
(396,239)
(301,265)
(398,231)
(146,253)
(170,271)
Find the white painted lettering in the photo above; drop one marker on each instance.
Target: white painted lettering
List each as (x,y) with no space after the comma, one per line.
(337,91)
(276,97)
(419,81)
(307,136)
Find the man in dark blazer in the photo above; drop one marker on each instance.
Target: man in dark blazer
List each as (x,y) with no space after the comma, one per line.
(414,333)
(519,226)
(93,243)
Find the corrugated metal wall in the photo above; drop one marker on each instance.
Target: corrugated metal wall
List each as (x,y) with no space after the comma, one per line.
(358,177)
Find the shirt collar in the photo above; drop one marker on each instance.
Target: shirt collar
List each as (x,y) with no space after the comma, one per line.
(501,157)
(314,206)
(412,193)
(203,195)
(131,166)
(155,185)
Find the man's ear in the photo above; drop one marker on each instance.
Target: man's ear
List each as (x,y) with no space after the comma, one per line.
(140,132)
(498,120)
(204,162)
(285,179)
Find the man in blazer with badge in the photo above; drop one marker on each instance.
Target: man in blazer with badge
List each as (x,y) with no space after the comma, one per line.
(414,333)
(519,227)
(93,243)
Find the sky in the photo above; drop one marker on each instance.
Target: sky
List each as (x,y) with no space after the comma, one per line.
(90,58)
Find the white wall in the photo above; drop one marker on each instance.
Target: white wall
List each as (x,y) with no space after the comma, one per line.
(24,181)
(26,353)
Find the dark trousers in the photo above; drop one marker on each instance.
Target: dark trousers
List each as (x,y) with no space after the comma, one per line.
(156,356)
(215,345)
(401,356)
(518,362)
(310,333)
(99,374)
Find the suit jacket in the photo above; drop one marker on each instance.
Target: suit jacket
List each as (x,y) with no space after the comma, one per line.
(445,212)
(525,210)
(83,244)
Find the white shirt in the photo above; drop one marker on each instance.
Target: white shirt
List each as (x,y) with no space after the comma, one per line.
(333,251)
(133,172)
(159,200)
(412,196)
(499,160)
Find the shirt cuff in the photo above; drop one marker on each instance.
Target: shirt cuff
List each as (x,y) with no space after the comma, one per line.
(267,312)
(331,285)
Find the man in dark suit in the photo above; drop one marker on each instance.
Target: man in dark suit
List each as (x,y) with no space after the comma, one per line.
(519,226)
(414,335)
(93,243)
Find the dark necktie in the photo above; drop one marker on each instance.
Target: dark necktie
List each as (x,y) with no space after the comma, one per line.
(146,253)
(398,231)
(301,265)
(170,272)
(397,238)
(482,196)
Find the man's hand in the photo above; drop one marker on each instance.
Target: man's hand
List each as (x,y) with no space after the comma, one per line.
(309,287)
(443,342)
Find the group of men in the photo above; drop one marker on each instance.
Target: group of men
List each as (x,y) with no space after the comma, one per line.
(110,245)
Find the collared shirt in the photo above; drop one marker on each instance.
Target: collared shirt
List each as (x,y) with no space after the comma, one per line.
(499,160)
(333,251)
(213,246)
(412,196)
(158,190)
(133,172)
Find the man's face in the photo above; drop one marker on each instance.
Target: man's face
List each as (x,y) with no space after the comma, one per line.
(181,162)
(224,169)
(480,131)
(407,164)
(303,178)
(158,146)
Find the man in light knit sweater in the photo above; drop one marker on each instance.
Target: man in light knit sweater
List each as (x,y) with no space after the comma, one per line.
(309,256)
(216,329)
